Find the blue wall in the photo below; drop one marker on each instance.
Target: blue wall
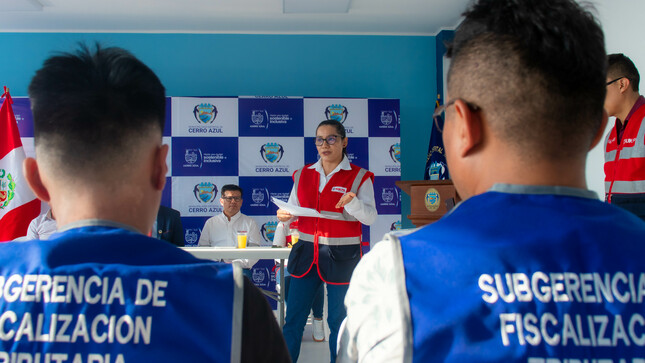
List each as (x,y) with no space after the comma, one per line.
(401,67)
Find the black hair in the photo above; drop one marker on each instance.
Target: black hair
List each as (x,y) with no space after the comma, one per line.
(231,188)
(89,107)
(537,69)
(619,65)
(339,128)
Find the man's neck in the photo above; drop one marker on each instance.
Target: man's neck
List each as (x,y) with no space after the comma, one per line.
(230,216)
(570,173)
(627,106)
(129,208)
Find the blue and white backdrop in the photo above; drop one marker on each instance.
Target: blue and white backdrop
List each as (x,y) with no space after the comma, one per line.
(258,142)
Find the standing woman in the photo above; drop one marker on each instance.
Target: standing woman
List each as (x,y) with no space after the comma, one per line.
(328,249)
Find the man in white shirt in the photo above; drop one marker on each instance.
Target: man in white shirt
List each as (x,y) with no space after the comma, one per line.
(42,226)
(221,230)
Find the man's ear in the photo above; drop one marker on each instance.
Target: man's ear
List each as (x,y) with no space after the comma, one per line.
(468,126)
(32,174)
(624,84)
(160,168)
(601,130)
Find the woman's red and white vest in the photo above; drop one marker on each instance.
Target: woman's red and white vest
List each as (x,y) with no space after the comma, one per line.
(336,242)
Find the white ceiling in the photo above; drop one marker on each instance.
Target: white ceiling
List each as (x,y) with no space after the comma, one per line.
(397,17)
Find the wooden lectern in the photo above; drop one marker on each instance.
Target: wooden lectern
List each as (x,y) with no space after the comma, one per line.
(429,199)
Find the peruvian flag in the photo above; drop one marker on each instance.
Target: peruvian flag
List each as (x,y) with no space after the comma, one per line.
(18,205)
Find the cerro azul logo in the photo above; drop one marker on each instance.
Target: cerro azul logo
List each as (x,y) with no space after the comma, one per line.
(395,226)
(192,236)
(262,276)
(258,275)
(395,153)
(395,156)
(7,188)
(262,119)
(193,158)
(271,152)
(260,197)
(390,197)
(205,192)
(268,230)
(259,117)
(389,119)
(336,112)
(205,113)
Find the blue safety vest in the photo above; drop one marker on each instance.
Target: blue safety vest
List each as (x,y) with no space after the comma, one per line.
(525,277)
(103,294)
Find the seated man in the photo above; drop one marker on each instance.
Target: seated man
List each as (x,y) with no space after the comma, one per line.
(221,230)
(100,289)
(42,226)
(168,226)
(531,266)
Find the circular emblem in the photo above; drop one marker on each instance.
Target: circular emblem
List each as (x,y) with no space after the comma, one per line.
(433,200)
(7,188)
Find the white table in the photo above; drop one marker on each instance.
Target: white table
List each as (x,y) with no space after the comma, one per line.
(254,253)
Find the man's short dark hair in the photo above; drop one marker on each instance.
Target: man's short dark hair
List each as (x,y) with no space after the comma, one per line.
(90,107)
(619,65)
(231,188)
(536,69)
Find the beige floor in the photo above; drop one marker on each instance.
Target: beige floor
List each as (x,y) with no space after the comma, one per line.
(312,351)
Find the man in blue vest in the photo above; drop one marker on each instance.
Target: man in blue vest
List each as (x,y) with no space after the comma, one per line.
(531,266)
(100,289)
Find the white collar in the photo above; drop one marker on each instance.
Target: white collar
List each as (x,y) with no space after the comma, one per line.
(343,165)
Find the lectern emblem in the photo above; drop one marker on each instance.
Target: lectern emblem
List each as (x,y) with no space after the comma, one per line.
(432,199)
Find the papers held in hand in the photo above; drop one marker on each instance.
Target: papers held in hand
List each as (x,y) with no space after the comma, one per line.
(302,212)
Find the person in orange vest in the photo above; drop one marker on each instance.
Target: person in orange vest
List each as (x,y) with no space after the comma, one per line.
(329,248)
(625,143)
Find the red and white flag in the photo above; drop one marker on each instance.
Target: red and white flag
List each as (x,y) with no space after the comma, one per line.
(18,204)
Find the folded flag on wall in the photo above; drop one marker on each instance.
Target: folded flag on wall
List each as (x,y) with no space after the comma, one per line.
(436,167)
(18,205)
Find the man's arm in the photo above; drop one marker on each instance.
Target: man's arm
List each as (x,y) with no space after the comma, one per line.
(255,238)
(205,237)
(363,207)
(32,230)
(377,327)
(177,229)
(262,339)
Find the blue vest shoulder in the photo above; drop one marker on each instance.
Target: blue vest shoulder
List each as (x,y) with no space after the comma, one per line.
(511,277)
(109,294)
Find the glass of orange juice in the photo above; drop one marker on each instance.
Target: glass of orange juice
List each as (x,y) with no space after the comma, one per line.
(241,239)
(295,236)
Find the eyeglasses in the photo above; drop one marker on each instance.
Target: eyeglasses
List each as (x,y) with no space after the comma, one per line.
(229,199)
(439,115)
(331,140)
(610,82)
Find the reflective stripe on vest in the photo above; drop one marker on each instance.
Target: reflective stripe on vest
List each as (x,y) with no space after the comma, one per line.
(627,187)
(344,216)
(626,161)
(337,241)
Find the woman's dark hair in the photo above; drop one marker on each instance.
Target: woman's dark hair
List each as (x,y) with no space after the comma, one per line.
(339,128)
